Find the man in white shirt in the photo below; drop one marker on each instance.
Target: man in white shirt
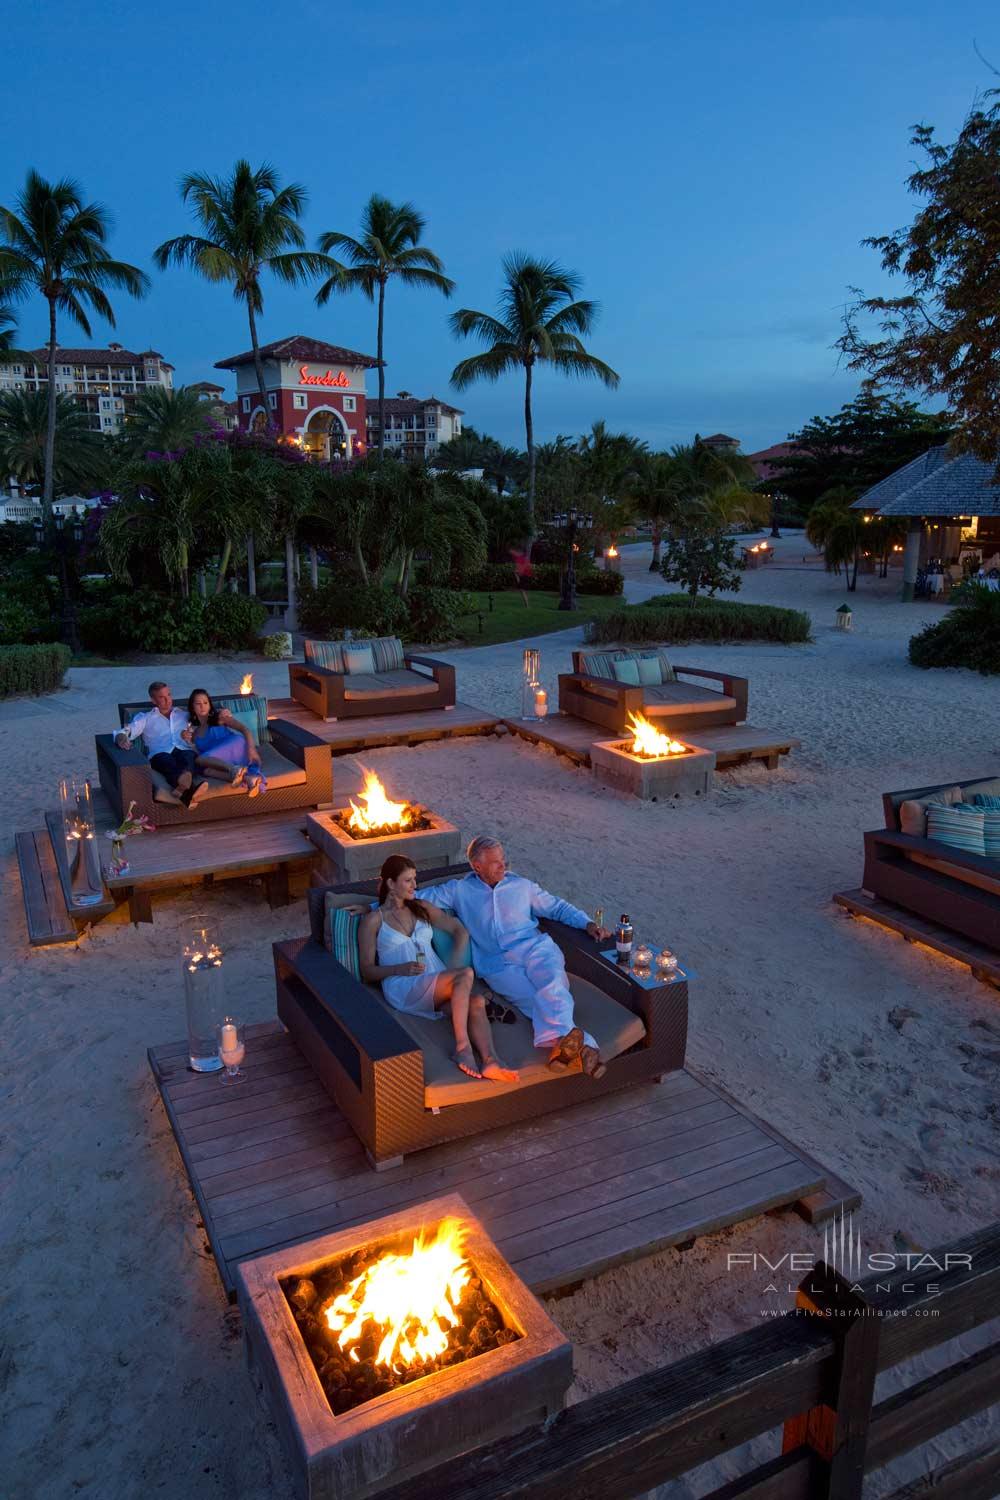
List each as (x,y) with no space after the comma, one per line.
(514,957)
(166,734)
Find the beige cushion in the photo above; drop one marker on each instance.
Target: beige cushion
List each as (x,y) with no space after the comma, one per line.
(913,814)
(984,788)
(402,683)
(678,697)
(278,770)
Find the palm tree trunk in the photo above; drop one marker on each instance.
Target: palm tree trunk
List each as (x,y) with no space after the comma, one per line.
(185,577)
(251,566)
(227,552)
(654,566)
(258,363)
(291,613)
(407,560)
(359,558)
(314,567)
(381,370)
(529,434)
(852,581)
(48,480)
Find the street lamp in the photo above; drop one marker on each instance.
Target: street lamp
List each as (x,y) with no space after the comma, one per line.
(570,521)
(63,541)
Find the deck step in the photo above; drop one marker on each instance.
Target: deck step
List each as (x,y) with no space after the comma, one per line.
(984,962)
(44,907)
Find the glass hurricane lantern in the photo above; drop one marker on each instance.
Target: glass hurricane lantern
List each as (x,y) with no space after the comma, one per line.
(204,1000)
(82,856)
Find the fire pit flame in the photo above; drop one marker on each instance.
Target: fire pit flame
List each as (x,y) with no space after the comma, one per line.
(246,686)
(649,741)
(412,1298)
(379,813)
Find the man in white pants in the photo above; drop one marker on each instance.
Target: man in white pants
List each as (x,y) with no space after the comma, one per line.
(514,957)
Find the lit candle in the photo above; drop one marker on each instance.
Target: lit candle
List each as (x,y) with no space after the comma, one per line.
(228,1040)
(541,702)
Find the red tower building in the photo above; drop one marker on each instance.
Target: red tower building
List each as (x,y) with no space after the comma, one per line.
(316,394)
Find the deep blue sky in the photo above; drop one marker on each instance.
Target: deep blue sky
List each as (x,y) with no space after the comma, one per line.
(709,170)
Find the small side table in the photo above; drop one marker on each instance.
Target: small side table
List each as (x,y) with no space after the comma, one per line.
(653,980)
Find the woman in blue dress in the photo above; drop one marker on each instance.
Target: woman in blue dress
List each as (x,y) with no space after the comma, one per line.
(224,743)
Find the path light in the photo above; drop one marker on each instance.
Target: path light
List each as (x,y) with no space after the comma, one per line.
(844,617)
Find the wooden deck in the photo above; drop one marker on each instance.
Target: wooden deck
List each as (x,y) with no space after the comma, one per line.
(984,962)
(732,743)
(565,1196)
(347,735)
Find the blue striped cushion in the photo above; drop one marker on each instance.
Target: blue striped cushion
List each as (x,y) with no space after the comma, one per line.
(387,651)
(342,938)
(329,654)
(599,663)
(667,673)
(961,826)
(251,709)
(991,822)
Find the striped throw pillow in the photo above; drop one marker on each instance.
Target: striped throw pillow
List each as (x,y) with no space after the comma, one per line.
(991,822)
(342,938)
(961,826)
(667,673)
(329,654)
(387,651)
(599,663)
(251,709)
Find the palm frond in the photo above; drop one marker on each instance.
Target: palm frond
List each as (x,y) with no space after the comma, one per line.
(490,365)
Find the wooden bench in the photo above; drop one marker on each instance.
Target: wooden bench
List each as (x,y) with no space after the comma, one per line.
(46,888)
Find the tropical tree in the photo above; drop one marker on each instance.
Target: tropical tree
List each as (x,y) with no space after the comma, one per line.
(539,321)
(658,494)
(249,225)
(166,421)
(443,522)
(80,454)
(501,466)
(53,242)
(8,323)
(389,247)
(838,531)
(702,559)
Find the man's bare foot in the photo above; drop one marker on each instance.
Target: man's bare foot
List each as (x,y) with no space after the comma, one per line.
(591,1063)
(566,1051)
(495,1069)
(198,792)
(465,1059)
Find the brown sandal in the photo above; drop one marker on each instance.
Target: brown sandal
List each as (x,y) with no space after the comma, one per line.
(566,1051)
(591,1064)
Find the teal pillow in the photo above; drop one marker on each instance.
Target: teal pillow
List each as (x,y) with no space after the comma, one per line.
(359,659)
(627,670)
(250,709)
(453,955)
(342,938)
(991,822)
(959,825)
(649,669)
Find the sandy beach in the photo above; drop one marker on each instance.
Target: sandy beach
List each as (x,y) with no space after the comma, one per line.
(121,1366)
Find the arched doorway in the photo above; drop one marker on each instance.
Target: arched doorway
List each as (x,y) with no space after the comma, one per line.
(258,422)
(326,437)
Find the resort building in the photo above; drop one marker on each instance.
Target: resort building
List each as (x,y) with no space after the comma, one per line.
(225,414)
(316,395)
(721,442)
(952,502)
(414,428)
(26,509)
(105,382)
(767,462)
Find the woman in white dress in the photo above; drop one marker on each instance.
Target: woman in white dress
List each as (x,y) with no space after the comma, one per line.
(394,945)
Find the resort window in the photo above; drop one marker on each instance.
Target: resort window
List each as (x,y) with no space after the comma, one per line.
(350,403)
(272,400)
(246,404)
(299,400)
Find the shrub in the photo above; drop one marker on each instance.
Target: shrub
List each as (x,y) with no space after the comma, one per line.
(494,578)
(600,582)
(968,637)
(367,609)
(702,560)
(16,622)
(233,620)
(435,613)
(32,669)
(703,620)
(276,647)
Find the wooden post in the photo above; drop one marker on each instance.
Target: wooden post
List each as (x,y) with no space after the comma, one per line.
(837,1430)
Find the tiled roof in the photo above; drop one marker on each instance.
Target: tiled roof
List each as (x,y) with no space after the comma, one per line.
(936,484)
(309,351)
(770,461)
(205,385)
(117,356)
(720,437)
(408,406)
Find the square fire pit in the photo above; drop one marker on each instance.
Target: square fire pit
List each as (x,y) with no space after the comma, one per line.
(653,777)
(356,840)
(506,1365)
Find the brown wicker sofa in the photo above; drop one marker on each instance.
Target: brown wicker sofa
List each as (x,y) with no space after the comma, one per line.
(947,886)
(324,686)
(297,765)
(592,692)
(390,1074)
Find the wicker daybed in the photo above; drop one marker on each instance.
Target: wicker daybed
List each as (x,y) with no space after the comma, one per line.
(593,692)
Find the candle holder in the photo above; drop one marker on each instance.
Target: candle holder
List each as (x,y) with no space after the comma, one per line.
(666,963)
(204,1000)
(232,1049)
(642,958)
(82,856)
(529,682)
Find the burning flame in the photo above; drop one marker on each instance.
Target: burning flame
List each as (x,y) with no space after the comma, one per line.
(412,1298)
(611,552)
(378,811)
(246,686)
(648,740)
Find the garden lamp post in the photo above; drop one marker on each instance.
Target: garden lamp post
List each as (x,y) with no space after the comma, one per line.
(63,536)
(571,521)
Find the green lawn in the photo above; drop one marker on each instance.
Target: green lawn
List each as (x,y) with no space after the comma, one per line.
(509,619)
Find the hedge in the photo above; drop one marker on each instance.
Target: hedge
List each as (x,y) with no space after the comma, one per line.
(365,608)
(547,577)
(435,614)
(146,621)
(675,617)
(967,637)
(32,669)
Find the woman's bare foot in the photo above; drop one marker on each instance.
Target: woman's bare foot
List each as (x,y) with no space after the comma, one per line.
(465,1059)
(495,1069)
(239,776)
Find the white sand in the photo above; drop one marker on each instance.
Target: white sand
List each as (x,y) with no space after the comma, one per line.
(121,1367)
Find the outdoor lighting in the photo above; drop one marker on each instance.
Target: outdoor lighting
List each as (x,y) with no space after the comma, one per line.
(666,963)
(541,703)
(844,617)
(529,681)
(204,1000)
(82,857)
(642,958)
(232,1048)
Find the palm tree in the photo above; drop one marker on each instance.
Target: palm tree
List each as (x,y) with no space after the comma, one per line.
(538,322)
(441,520)
(249,221)
(54,243)
(24,422)
(8,323)
(389,246)
(167,420)
(658,497)
(839,531)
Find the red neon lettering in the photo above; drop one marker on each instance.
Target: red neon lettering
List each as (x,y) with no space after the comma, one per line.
(328,379)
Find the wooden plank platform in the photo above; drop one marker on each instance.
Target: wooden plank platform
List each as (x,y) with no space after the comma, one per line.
(984,962)
(45,911)
(732,743)
(344,736)
(271,845)
(565,1195)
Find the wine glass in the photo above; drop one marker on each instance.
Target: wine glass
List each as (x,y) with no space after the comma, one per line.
(232,1048)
